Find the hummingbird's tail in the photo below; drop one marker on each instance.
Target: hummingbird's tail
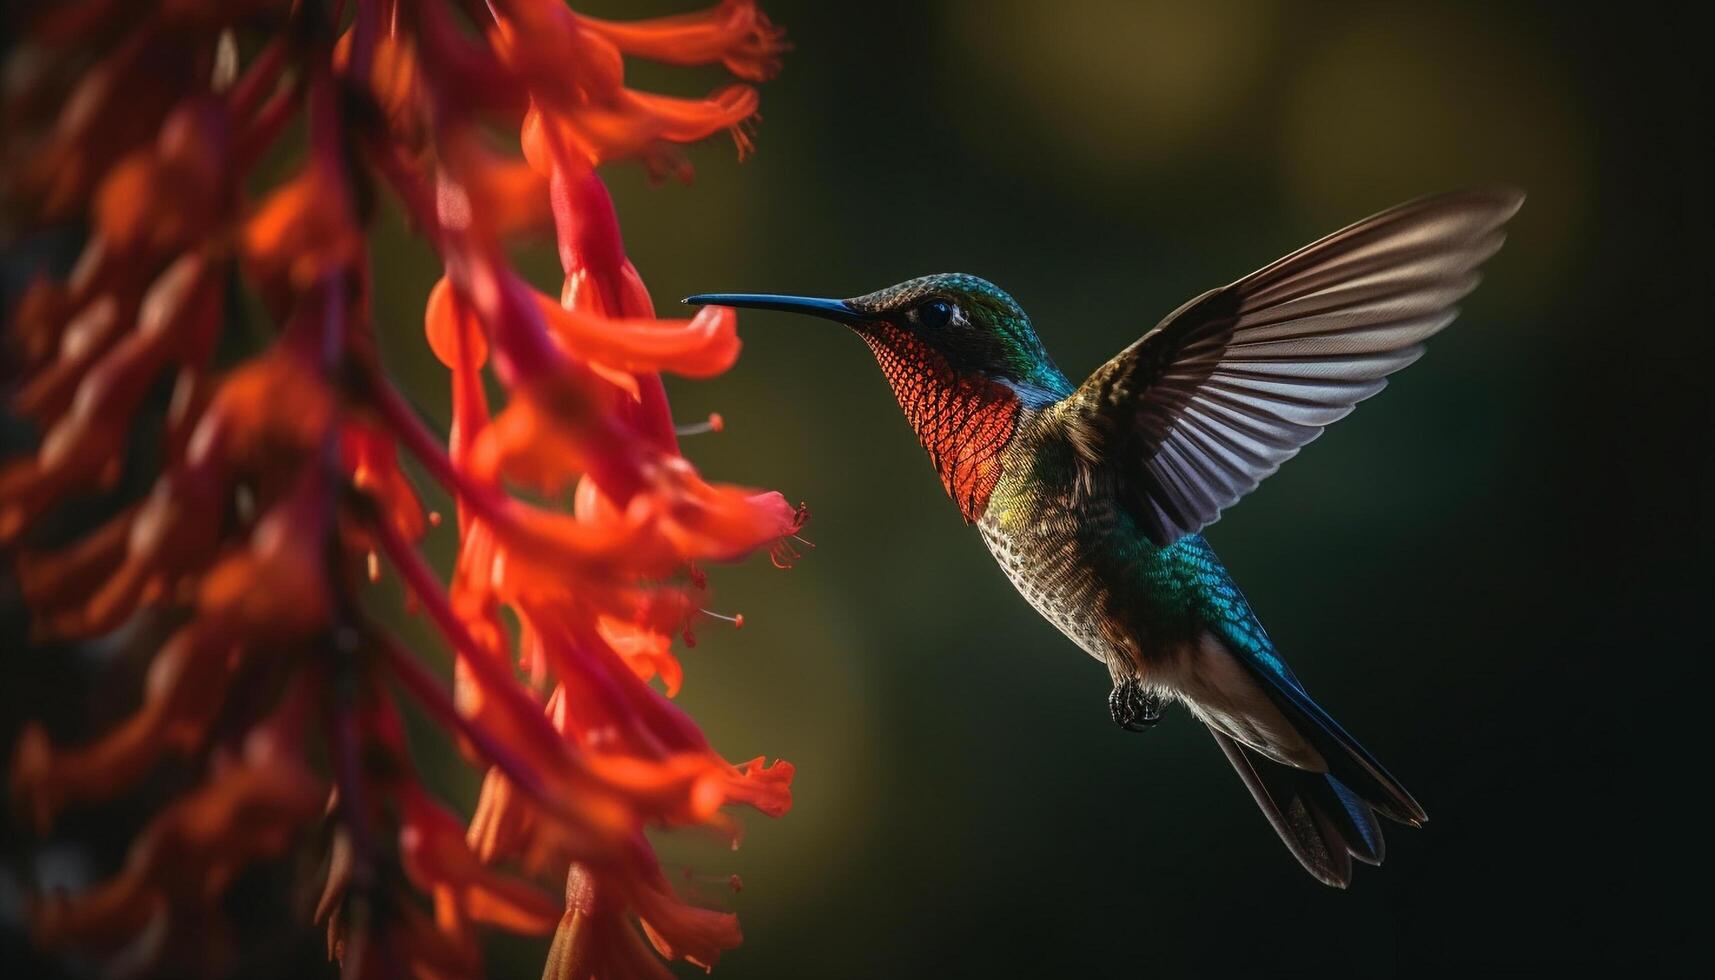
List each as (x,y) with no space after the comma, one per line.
(1323,823)
(1319,789)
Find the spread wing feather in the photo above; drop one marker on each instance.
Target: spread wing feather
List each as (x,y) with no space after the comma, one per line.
(1234,383)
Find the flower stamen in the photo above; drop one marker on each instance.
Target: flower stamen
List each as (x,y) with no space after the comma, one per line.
(714,423)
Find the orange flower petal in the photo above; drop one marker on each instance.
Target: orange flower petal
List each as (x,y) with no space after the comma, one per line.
(701,347)
(733,32)
(301,232)
(647,652)
(719,522)
(433,850)
(448,323)
(633,123)
(681,931)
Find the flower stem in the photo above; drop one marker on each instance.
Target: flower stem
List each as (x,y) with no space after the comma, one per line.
(491,673)
(423,686)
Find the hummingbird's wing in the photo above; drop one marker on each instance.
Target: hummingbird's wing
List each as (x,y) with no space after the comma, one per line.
(1232,384)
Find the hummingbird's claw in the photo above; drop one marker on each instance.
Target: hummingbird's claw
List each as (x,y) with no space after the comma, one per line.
(1133,708)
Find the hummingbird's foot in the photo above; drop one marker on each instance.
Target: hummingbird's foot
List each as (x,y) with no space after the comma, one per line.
(1133,708)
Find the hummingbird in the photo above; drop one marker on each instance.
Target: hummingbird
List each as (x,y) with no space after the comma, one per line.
(1092,497)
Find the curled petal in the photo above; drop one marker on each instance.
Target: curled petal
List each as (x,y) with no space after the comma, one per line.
(704,346)
(766,788)
(719,522)
(601,280)
(531,442)
(733,33)
(605,701)
(632,124)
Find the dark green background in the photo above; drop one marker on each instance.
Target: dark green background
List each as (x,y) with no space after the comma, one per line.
(1492,573)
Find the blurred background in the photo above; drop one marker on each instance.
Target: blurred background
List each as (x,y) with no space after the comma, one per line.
(1491,574)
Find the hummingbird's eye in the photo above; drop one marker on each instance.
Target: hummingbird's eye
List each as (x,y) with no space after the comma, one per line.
(935,314)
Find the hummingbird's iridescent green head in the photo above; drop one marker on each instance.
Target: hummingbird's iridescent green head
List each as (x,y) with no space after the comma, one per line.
(963,362)
(950,327)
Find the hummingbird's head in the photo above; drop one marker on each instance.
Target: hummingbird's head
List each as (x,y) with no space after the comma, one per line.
(962,360)
(950,326)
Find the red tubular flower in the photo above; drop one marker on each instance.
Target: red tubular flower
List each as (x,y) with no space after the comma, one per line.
(280,490)
(735,33)
(701,347)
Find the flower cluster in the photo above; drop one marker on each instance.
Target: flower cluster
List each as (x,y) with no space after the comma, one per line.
(280,491)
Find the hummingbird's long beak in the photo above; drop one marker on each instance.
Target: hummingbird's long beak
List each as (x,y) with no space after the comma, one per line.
(827,309)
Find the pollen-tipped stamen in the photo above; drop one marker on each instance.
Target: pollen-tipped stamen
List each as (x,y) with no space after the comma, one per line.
(714,423)
(736,619)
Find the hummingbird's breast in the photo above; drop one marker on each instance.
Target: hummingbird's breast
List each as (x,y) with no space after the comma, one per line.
(964,422)
(1077,556)
(1053,520)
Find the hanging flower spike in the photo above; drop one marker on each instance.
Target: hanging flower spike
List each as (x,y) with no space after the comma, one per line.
(281,480)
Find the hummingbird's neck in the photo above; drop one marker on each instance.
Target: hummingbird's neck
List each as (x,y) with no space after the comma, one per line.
(964,422)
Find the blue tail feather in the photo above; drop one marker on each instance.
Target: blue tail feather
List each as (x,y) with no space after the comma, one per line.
(1224,610)
(1324,824)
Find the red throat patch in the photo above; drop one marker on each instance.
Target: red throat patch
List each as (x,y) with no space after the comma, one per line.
(963,422)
